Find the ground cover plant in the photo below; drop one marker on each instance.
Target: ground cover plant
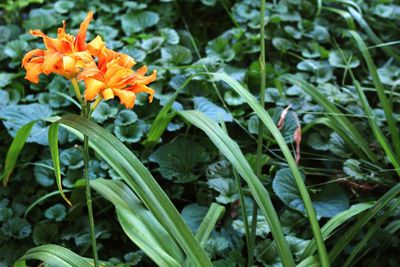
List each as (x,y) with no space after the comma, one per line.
(263,146)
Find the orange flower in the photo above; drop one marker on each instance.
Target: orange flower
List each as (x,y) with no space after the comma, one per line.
(113,76)
(65,55)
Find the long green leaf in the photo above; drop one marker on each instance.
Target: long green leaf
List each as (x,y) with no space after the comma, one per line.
(333,224)
(362,221)
(208,223)
(53,143)
(15,149)
(232,152)
(344,14)
(364,25)
(339,117)
(376,129)
(386,105)
(132,171)
(371,232)
(139,224)
(272,128)
(55,255)
(41,199)
(163,117)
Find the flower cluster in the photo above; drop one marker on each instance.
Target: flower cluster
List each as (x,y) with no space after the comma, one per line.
(106,73)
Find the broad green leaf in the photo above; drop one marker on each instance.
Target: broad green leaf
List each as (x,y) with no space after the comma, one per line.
(103,112)
(328,203)
(125,117)
(16,116)
(211,110)
(131,133)
(56,213)
(226,188)
(6,78)
(193,214)
(177,55)
(170,36)
(138,21)
(221,49)
(44,233)
(15,149)
(178,160)
(63,6)
(16,227)
(72,158)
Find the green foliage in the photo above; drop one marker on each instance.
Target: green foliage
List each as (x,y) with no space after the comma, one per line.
(341,88)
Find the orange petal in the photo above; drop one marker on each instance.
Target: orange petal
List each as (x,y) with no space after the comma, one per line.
(80,40)
(50,43)
(142,70)
(126,98)
(69,63)
(108,94)
(93,87)
(34,53)
(142,89)
(61,31)
(51,59)
(137,78)
(33,70)
(126,61)
(95,46)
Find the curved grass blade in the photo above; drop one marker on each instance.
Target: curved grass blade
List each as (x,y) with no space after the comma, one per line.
(386,105)
(163,117)
(208,223)
(53,143)
(333,224)
(139,224)
(232,152)
(362,221)
(376,129)
(55,255)
(364,25)
(344,14)
(15,149)
(132,171)
(41,199)
(342,121)
(351,260)
(270,125)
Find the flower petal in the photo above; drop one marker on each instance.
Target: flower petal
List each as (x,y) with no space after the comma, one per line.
(33,70)
(51,60)
(95,46)
(126,98)
(31,54)
(108,94)
(93,88)
(80,40)
(139,88)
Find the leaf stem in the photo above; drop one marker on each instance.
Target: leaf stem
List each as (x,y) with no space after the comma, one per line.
(260,131)
(86,113)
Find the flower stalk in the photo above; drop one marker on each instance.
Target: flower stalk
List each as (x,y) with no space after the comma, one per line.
(86,111)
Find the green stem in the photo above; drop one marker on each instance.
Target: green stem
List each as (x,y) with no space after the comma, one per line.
(86,114)
(260,131)
(76,89)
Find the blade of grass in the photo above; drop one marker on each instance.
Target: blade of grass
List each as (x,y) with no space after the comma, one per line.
(41,199)
(15,149)
(270,125)
(341,120)
(362,221)
(376,129)
(55,255)
(386,105)
(139,224)
(364,25)
(136,175)
(260,137)
(53,143)
(351,260)
(232,152)
(333,224)
(208,223)
(344,14)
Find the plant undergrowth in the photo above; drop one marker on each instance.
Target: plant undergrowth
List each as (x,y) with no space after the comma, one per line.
(320,185)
